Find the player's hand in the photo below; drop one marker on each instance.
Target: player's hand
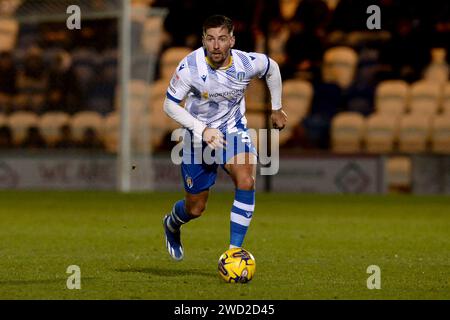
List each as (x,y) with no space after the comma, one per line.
(214,138)
(279,119)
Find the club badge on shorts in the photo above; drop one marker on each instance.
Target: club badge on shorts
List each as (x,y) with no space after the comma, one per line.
(189,181)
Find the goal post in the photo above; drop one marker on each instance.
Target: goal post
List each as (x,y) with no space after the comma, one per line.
(136,64)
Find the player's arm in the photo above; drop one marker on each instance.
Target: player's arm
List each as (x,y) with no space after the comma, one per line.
(184,118)
(274,83)
(178,89)
(213,137)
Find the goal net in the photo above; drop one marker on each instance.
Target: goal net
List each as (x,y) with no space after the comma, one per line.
(128,121)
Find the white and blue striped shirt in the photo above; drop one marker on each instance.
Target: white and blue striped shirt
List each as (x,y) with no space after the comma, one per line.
(216,96)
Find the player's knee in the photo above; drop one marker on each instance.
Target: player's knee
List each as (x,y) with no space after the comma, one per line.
(195,210)
(246,183)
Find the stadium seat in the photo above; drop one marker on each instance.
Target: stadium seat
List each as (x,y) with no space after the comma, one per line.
(297,98)
(424,98)
(170,60)
(438,70)
(5,102)
(3,120)
(255,120)
(142,67)
(446,99)
(277,43)
(156,126)
(255,95)
(82,120)
(399,173)
(139,96)
(381,133)
(9,29)
(339,65)
(50,125)
(347,129)
(112,129)
(20,122)
(158,90)
(152,35)
(414,131)
(391,97)
(440,134)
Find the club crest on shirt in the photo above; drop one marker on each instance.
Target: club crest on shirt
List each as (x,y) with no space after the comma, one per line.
(240,76)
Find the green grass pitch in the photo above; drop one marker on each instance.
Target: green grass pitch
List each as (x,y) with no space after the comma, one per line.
(306,247)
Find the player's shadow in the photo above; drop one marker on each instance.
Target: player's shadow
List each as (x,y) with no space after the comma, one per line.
(165,272)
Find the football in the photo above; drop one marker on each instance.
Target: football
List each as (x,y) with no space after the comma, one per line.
(237,265)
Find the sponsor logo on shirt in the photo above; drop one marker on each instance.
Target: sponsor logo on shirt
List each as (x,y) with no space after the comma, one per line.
(227,94)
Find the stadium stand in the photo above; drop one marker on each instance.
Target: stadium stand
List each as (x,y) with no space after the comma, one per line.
(347,130)
(438,70)
(381,133)
(297,97)
(339,65)
(150,36)
(20,122)
(48,73)
(391,97)
(112,128)
(255,120)
(424,98)
(414,133)
(81,121)
(170,59)
(50,124)
(399,173)
(255,95)
(9,29)
(440,134)
(446,99)
(3,120)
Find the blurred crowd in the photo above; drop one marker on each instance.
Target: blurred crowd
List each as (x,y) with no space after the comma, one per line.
(52,68)
(306,28)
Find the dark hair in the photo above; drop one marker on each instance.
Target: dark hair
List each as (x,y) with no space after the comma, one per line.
(216,21)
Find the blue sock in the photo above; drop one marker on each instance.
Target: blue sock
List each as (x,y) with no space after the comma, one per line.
(241,215)
(178,216)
